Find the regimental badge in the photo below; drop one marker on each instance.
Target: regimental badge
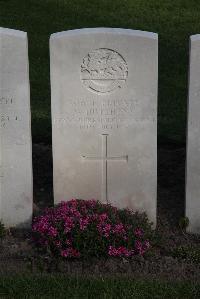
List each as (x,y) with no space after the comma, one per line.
(103,71)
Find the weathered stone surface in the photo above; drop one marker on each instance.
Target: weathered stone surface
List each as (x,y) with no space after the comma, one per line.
(15,133)
(104,116)
(193,139)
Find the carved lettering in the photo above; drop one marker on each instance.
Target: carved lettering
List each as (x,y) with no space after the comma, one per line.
(6,100)
(93,114)
(8,116)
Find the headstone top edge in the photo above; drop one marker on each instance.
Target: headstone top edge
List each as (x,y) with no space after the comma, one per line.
(131,32)
(13,32)
(195,37)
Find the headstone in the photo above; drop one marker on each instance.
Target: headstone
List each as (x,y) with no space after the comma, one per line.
(15,133)
(104,116)
(193,139)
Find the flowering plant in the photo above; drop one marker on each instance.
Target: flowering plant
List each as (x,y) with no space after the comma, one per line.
(85,228)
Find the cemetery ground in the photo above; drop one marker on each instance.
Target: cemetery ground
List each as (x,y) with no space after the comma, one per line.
(176,258)
(172,268)
(58,286)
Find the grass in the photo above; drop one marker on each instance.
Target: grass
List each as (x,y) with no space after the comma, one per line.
(174,21)
(189,253)
(60,286)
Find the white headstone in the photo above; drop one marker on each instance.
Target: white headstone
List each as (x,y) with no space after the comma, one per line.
(193,139)
(104,116)
(15,133)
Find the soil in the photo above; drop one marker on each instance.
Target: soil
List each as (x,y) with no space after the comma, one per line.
(17,254)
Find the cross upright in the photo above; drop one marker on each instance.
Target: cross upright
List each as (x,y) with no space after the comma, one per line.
(104,158)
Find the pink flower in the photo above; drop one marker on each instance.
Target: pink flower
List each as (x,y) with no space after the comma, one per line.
(64,253)
(94,217)
(138,232)
(104,229)
(138,244)
(73,223)
(70,252)
(52,231)
(120,251)
(83,222)
(91,203)
(68,242)
(118,229)
(73,203)
(103,217)
(141,248)
(69,224)
(146,244)
(112,251)
(42,225)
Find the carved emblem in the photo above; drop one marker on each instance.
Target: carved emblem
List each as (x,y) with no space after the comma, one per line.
(103,70)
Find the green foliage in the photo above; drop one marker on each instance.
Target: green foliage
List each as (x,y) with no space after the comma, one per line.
(190,253)
(2,230)
(61,286)
(184,222)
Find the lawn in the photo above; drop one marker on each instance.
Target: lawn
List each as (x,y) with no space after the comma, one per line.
(60,286)
(174,21)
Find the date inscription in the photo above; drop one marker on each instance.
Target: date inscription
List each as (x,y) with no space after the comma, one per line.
(95,114)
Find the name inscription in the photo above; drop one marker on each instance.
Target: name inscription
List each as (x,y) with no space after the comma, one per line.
(104,114)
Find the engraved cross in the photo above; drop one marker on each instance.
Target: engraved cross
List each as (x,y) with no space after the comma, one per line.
(104,158)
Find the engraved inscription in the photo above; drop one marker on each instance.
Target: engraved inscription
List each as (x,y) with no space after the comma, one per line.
(103,70)
(6,100)
(104,159)
(104,114)
(6,119)
(8,113)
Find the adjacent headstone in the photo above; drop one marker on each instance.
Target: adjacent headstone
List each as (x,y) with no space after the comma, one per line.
(104,116)
(15,133)
(193,139)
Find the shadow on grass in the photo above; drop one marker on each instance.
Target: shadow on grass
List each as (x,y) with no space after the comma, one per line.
(60,286)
